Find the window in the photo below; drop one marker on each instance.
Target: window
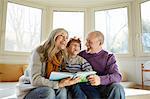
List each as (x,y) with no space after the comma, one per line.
(73,22)
(23,28)
(114,25)
(145,18)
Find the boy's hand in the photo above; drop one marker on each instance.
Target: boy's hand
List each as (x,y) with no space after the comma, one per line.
(94,80)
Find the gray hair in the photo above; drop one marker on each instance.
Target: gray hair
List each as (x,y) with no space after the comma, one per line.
(100,36)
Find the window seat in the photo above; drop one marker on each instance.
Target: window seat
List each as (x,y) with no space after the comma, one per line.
(7,91)
(10,73)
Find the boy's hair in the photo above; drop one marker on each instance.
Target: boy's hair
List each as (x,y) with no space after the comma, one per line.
(77,40)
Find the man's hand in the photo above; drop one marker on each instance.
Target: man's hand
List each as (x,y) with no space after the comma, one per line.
(94,80)
(68,82)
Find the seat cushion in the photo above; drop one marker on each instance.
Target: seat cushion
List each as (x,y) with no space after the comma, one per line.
(128,84)
(124,76)
(10,72)
(131,93)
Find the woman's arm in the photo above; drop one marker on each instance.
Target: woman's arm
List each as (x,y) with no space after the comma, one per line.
(68,82)
(36,73)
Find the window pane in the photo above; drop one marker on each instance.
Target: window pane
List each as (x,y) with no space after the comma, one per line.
(73,22)
(145,15)
(23,28)
(114,24)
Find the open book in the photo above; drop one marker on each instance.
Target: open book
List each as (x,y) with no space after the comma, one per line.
(61,75)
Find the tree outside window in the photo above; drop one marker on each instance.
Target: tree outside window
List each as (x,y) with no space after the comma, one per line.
(23,28)
(114,24)
(145,17)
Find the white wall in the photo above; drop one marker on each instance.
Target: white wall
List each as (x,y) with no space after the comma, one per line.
(132,66)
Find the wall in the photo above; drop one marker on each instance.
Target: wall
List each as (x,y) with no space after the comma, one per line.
(132,66)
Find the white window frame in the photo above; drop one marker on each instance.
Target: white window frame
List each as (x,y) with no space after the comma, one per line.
(139,34)
(1,10)
(109,7)
(73,10)
(134,24)
(24,3)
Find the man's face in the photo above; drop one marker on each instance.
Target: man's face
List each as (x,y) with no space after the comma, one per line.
(74,48)
(92,42)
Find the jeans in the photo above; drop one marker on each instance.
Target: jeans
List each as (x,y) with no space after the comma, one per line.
(47,93)
(112,91)
(75,92)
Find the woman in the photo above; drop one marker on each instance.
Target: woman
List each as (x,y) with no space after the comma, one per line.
(46,58)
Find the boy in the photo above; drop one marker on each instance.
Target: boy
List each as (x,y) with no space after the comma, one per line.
(75,63)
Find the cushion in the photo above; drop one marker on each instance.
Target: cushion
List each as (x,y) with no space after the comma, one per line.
(131,93)
(10,72)
(124,76)
(128,84)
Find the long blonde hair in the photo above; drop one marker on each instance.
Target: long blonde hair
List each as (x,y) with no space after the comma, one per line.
(48,49)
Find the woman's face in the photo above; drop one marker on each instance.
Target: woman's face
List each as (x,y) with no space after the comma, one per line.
(61,40)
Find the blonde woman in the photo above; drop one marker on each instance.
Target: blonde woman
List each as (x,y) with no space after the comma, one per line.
(46,58)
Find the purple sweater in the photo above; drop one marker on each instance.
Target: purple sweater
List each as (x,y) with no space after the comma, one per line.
(105,66)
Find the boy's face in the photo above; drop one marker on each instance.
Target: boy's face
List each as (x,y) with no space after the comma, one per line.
(74,48)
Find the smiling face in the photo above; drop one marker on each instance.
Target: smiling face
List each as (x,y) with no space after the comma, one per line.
(74,48)
(94,41)
(61,40)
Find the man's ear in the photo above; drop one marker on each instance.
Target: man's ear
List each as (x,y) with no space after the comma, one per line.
(100,43)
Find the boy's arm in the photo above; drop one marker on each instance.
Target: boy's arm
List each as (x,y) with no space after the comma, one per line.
(85,65)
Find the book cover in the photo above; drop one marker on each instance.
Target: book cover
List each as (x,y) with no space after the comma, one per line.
(55,76)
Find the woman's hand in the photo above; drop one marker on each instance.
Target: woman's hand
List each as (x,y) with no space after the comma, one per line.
(94,80)
(68,82)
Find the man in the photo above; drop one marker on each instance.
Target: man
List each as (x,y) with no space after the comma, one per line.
(104,85)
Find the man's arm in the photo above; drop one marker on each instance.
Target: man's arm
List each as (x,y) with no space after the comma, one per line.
(112,74)
(111,71)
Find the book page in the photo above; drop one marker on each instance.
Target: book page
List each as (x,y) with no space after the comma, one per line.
(84,75)
(60,75)
(55,76)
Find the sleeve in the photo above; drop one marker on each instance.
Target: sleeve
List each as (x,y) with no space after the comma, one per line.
(112,74)
(85,65)
(36,73)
